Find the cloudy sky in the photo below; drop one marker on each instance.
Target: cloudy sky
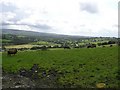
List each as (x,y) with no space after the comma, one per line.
(71,17)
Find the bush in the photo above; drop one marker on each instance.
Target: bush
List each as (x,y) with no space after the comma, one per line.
(35,48)
(44,48)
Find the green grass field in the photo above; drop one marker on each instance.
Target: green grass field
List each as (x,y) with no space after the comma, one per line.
(83,67)
(5,40)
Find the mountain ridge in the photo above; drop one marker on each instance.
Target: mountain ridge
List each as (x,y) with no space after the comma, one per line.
(34,33)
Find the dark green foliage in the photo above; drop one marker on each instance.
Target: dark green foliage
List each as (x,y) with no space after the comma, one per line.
(35,48)
(91,46)
(44,48)
(106,43)
(15,39)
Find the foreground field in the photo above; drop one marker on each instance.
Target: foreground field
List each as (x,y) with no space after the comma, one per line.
(79,67)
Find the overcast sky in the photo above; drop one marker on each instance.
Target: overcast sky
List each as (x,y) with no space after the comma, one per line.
(71,17)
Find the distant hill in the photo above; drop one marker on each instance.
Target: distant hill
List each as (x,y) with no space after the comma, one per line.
(40,34)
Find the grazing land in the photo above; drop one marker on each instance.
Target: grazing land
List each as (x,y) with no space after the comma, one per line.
(80,67)
(42,60)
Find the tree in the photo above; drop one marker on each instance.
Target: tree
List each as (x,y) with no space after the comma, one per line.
(44,48)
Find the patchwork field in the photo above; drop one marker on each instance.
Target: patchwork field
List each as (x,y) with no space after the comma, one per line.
(75,67)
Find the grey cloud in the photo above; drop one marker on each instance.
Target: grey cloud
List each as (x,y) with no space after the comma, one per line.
(5,23)
(9,20)
(38,26)
(89,7)
(7,7)
(20,13)
(45,27)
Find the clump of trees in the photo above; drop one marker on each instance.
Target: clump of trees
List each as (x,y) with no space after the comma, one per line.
(91,46)
(35,48)
(106,43)
(44,48)
(39,48)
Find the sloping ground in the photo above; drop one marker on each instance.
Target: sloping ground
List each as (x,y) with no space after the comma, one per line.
(86,68)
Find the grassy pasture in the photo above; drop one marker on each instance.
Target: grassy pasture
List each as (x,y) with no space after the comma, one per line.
(43,43)
(5,40)
(83,67)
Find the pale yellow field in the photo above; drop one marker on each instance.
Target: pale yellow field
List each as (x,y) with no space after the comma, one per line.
(20,46)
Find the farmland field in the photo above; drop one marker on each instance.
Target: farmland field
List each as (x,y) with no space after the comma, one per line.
(81,67)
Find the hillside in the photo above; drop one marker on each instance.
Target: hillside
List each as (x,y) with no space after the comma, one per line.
(74,68)
(41,34)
